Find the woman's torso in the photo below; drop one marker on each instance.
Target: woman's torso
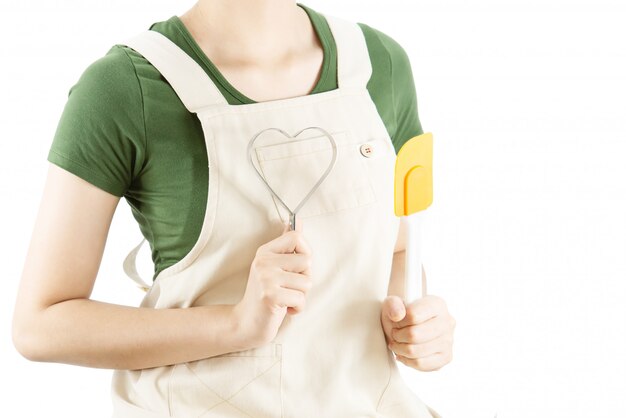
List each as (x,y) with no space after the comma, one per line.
(156,157)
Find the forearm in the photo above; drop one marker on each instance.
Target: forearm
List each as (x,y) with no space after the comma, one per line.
(103,335)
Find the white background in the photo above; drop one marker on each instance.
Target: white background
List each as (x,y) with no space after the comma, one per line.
(525,240)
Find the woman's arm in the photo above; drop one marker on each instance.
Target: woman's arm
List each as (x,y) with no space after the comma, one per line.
(55,321)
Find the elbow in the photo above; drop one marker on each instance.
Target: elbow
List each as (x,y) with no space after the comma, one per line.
(26,341)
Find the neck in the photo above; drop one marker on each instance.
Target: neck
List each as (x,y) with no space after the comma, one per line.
(249,29)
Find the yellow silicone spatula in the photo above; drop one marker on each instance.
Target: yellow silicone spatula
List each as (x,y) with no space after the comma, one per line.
(413,193)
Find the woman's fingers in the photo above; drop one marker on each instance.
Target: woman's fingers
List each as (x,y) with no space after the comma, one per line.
(295,281)
(283,297)
(429,363)
(420,333)
(421,350)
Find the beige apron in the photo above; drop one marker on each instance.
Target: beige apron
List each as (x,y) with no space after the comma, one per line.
(331,360)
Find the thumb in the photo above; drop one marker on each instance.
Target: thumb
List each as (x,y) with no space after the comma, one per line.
(393,308)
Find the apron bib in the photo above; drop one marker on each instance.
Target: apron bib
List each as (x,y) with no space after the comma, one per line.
(331,360)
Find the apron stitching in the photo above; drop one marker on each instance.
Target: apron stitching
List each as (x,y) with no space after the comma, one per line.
(341,148)
(238,409)
(226,400)
(201,381)
(205,385)
(256,378)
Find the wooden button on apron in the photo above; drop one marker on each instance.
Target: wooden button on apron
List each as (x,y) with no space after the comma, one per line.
(367,150)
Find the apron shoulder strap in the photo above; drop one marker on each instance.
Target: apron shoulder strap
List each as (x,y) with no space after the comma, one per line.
(191,83)
(354,67)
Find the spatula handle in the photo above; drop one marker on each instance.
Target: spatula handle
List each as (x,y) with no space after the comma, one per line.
(413,258)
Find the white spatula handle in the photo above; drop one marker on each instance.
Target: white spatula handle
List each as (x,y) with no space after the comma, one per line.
(413,259)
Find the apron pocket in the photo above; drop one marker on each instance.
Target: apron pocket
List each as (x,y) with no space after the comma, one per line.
(293,167)
(239,384)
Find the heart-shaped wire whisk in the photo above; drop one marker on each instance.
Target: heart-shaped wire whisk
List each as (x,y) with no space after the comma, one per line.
(292,214)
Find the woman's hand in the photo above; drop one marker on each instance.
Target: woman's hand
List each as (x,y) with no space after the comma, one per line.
(277,284)
(420,333)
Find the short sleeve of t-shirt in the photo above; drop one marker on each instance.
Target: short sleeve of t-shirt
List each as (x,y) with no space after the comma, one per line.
(100,136)
(408,123)
(404,95)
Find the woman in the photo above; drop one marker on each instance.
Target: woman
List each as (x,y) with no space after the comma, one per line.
(164,120)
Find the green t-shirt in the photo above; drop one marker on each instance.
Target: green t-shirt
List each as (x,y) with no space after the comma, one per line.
(124,129)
